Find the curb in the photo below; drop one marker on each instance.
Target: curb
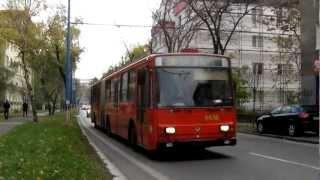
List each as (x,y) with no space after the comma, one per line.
(282,137)
(114,171)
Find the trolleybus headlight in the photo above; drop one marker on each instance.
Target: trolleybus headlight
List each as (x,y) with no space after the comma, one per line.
(170,130)
(224,128)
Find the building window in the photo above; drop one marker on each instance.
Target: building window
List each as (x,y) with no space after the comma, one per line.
(284,69)
(285,42)
(257,68)
(279,17)
(257,41)
(254,17)
(179,21)
(260,95)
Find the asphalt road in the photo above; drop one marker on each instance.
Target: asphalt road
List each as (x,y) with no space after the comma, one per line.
(253,158)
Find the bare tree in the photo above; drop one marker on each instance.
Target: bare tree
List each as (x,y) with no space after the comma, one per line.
(221,18)
(176,36)
(286,20)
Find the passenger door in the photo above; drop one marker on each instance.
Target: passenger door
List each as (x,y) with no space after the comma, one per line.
(115,106)
(123,105)
(287,116)
(143,97)
(273,121)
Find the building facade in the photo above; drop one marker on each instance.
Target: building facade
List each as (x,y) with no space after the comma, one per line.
(15,93)
(270,66)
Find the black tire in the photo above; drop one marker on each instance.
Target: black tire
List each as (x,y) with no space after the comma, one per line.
(132,136)
(260,127)
(95,125)
(95,121)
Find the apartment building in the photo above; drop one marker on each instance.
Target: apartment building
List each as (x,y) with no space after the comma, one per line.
(15,93)
(269,66)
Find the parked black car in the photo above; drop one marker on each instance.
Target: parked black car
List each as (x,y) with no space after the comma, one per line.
(293,120)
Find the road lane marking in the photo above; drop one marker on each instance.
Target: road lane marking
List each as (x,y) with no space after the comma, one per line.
(118,175)
(279,140)
(150,171)
(284,161)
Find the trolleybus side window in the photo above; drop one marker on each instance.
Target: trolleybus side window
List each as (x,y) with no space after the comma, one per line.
(124,87)
(108,91)
(132,85)
(114,94)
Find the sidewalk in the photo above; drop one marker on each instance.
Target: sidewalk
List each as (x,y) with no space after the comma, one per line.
(249,128)
(7,125)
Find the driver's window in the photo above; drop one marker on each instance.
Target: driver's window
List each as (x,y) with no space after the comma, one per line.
(276,110)
(286,109)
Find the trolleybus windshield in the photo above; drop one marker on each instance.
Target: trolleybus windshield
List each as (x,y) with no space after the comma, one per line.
(193,86)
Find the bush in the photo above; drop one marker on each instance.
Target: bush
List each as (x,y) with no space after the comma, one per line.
(246,116)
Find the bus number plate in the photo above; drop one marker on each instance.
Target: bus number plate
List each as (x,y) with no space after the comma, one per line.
(212,117)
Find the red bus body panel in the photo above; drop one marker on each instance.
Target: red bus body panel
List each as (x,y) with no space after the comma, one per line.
(194,125)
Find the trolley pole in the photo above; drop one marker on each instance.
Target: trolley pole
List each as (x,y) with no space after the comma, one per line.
(68,68)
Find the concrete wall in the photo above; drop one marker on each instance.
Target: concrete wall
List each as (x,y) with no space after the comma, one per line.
(309,54)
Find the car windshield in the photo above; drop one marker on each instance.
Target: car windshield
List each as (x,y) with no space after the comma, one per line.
(185,87)
(276,110)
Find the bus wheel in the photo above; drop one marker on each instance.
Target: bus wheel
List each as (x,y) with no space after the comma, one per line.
(132,136)
(94,121)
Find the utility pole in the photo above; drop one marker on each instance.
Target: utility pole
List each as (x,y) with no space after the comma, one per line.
(68,66)
(309,18)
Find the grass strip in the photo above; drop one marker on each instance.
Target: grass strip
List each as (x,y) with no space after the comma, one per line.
(50,149)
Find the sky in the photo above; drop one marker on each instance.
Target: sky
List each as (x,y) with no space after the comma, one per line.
(104,45)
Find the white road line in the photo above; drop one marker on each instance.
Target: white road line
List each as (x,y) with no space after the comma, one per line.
(118,175)
(141,165)
(279,140)
(284,161)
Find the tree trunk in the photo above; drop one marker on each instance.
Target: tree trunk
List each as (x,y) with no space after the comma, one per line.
(34,109)
(29,87)
(54,102)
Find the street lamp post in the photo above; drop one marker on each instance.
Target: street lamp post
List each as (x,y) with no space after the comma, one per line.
(68,64)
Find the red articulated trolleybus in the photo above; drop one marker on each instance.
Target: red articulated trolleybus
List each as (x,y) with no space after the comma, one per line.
(167,100)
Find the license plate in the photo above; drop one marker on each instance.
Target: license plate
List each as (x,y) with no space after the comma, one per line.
(169,145)
(316,118)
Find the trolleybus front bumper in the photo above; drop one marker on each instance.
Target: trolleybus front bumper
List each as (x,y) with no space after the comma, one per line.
(198,143)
